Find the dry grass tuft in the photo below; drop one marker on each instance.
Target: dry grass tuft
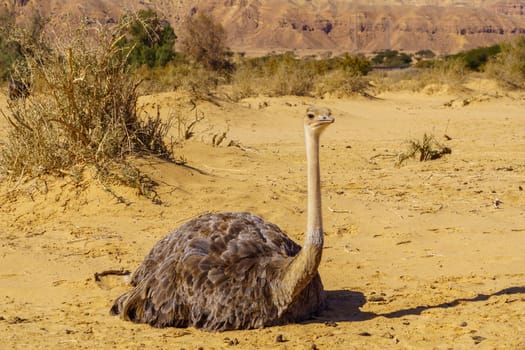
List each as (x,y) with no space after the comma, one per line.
(428,148)
(83,107)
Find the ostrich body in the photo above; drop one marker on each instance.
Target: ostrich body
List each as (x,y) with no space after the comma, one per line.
(234,270)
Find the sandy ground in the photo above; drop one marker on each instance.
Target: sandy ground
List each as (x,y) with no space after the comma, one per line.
(416,257)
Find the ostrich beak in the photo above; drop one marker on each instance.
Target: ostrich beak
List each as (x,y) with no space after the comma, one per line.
(324,120)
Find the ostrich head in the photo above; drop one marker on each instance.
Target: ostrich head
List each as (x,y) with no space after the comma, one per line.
(317,119)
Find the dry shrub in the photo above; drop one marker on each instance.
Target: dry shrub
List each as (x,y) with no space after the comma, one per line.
(247,82)
(204,41)
(83,109)
(199,82)
(279,77)
(450,73)
(508,67)
(196,81)
(428,148)
(340,83)
(290,78)
(410,79)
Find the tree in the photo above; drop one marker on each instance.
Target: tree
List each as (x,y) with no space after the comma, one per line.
(151,40)
(204,41)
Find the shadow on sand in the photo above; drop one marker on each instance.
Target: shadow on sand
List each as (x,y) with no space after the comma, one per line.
(345,305)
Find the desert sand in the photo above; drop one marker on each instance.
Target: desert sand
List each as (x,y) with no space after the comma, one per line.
(416,256)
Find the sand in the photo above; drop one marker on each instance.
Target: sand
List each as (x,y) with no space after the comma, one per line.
(416,257)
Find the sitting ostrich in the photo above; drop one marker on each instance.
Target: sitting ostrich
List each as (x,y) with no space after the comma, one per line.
(234,270)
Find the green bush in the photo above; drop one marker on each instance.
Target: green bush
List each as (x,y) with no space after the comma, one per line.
(425,54)
(476,59)
(148,40)
(391,58)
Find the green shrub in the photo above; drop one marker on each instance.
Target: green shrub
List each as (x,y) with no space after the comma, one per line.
(391,58)
(356,65)
(148,40)
(476,59)
(425,54)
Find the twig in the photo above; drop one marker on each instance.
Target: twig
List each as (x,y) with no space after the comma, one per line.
(383,155)
(120,199)
(111,272)
(77,240)
(224,169)
(339,211)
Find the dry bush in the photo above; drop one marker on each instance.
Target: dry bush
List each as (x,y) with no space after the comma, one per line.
(83,109)
(196,81)
(247,82)
(199,82)
(290,78)
(428,148)
(450,73)
(508,67)
(410,79)
(278,76)
(340,83)
(204,41)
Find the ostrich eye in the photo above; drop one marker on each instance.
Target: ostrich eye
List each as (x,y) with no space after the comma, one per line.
(310,116)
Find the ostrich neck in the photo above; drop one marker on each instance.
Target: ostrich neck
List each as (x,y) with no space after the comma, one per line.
(303,267)
(314,223)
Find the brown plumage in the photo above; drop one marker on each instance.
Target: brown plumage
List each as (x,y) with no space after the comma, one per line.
(234,270)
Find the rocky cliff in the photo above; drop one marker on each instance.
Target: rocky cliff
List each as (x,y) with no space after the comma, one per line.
(444,26)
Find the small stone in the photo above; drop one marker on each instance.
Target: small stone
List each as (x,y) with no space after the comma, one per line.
(365,334)
(463,324)
(314,347)
(478,339)
(330,324)
(280,338)
(376,298)
(233,342)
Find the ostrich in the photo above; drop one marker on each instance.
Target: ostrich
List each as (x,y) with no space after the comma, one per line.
(234,270)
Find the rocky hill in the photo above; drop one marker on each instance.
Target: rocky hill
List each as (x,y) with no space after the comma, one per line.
(444,26)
